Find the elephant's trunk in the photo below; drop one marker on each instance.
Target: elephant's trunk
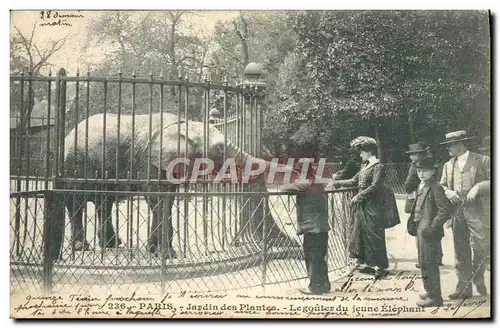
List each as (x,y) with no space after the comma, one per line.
(259,205)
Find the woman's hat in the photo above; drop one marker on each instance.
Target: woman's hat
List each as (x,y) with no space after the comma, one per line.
(426,163)
(362,141)
(456,136)
(485,144)
(418,147)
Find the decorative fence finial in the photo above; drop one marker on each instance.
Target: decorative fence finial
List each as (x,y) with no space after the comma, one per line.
(252,75)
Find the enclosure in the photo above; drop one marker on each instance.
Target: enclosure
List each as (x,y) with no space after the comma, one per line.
(97,212)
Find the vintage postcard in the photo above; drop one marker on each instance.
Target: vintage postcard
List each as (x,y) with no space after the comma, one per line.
(250,164)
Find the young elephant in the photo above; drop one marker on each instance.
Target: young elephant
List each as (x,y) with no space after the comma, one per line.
(97,158)
(134,142)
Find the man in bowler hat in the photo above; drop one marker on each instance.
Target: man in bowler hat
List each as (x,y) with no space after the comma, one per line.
(416,151)
(462,178)
(430,212)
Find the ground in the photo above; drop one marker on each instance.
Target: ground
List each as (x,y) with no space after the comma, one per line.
(402,259)
(402,285)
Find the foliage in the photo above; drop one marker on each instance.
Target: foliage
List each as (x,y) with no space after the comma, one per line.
(429,68)
(155,45)
(398,76)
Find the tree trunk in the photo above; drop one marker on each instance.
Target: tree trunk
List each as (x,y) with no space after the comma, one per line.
(171,51)
(244,44)
(380,146)
(243,34)
(411,123)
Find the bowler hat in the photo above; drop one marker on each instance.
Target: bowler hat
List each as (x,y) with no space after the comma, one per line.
(426,163)
(485,144)
(456,136)
(418,147)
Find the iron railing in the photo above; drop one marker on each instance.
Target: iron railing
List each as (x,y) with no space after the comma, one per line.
(238,245)
(98,209)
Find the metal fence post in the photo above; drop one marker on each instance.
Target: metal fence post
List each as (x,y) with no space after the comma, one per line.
(60,122)
(163,241)
(47,256)
(264,246)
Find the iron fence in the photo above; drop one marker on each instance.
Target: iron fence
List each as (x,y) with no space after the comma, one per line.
(99,212)
(92,208)
(234,240)
(395,174)
(395,177)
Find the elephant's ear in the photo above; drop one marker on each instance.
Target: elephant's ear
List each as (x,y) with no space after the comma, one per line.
(166,139)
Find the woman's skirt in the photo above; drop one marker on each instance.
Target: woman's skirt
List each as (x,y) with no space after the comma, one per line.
(367,239)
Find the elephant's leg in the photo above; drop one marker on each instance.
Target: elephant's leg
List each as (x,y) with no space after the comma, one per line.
(162,228)
(154,234)
(107,236)
(75,214)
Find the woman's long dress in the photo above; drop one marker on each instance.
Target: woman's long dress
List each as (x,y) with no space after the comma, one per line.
(375,212)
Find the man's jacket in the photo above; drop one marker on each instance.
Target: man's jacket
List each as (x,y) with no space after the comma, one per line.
(312,207)
(434,210)
(479,166)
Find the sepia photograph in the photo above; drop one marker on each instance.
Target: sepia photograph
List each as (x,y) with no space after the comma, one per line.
(250,164)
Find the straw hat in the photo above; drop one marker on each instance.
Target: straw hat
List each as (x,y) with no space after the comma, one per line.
(456,136)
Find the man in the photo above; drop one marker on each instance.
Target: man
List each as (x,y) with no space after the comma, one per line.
(416,151)
(312,221)
(349,166)
(462,178)
(430,212)
(484,187)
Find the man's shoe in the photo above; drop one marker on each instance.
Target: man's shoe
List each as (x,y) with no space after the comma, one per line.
(441,264)
(459,295)
(429,302)
(366,269)
(379,273)
(481,289)
(423,296)
(321,288)
(307,291)
(81,246)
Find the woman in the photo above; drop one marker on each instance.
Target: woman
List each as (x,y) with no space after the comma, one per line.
(374,210)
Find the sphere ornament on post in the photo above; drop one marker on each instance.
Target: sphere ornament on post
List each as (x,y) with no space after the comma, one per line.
(252,76)
(214,115)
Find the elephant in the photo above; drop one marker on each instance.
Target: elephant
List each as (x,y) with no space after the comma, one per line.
(134,143)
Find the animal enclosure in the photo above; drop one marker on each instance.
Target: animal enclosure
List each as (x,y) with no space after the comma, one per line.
(104,212)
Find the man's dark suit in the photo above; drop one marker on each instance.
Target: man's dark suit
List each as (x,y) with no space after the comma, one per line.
(312,222)
(431,211)
(411,184)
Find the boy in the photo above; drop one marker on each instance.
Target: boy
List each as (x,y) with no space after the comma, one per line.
(430,212)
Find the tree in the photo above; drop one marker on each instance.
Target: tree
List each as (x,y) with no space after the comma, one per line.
(32,55)
(262,37)
(405,68)
(28,57)
(146,44)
